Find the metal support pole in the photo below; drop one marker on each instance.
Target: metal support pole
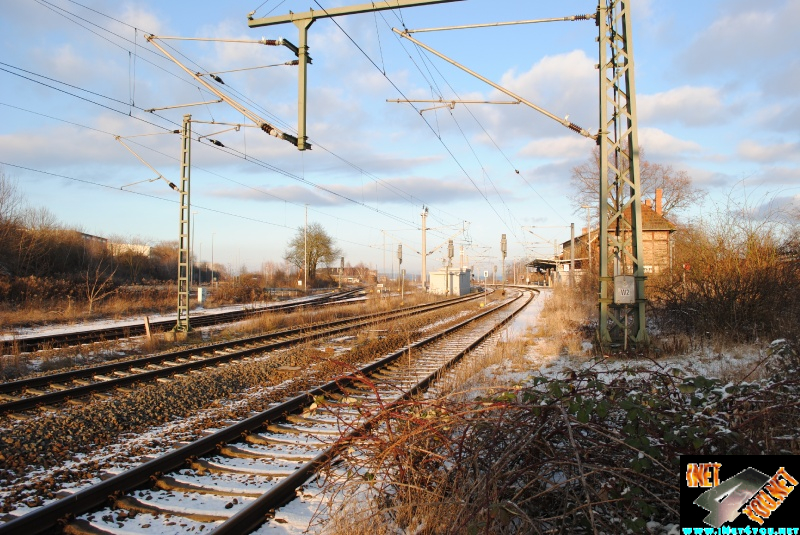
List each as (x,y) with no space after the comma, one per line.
(572,254)
(620,211)
(191,265)
(302,81)
(303,21)
(184,249)
(449,263)
(424,250)
(504,252)
(305,254)
(589,235)
(384,254)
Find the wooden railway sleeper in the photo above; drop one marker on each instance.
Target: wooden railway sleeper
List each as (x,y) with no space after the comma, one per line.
(102,378)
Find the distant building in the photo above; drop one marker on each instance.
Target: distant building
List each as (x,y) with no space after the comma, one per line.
(350,275)
(656,241)
(456,281)
(89,239)
(123,248)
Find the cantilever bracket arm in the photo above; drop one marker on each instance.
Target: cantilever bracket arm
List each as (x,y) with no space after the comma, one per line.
(303,21)
(171,185)
(264,125)
(564,122)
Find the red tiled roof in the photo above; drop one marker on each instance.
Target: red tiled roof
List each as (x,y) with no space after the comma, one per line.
(651,221)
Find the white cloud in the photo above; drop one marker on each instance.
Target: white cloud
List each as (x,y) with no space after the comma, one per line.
(384,192)
(138,16)
(658,143)
(691,106)
(745,37)
(755,151)
(558,148)
(563,84)
(776,175)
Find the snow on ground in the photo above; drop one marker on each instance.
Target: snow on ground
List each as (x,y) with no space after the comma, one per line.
(310,513)
(51,330)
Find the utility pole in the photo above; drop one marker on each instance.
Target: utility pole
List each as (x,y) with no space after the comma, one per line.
(184,249)
(384,253)
(504,252)
(448,282)
(424,249)
(212,258)
(572,254)
(399,256)
(622,296)
(305,255)
(341,272)
(194,227)
(588,234)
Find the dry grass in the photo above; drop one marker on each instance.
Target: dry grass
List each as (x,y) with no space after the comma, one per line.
(562,325)
(68,312)
(485,370)
(592,453)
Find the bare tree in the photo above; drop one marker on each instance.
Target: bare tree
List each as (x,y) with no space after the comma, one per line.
(37,239)
(99,281)
(679,193)
(362,272)
(320,248)
(10,206)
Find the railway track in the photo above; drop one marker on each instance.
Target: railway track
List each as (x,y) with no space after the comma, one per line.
(236,479)
(37,343)
(45,391)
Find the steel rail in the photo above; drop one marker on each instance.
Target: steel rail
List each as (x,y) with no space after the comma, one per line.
(255,514)
(52,517)
(265,342)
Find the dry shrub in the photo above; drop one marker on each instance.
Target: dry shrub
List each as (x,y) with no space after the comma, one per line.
(594,452)
(739,279)
(64,307)
(13,367)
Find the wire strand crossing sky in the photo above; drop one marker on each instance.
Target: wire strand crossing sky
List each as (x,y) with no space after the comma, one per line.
(720,107)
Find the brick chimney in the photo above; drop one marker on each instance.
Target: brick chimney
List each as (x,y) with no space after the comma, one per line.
(648,202)
(659,195)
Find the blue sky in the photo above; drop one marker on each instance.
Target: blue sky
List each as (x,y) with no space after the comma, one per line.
(718,93)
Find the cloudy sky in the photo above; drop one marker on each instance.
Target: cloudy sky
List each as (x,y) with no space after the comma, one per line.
(718,94)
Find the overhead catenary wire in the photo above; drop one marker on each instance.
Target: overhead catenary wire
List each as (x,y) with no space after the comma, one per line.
(446,147)
(382,183)
(251,159)
(514,167)
(167,199)
(411,224)
(239,95)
